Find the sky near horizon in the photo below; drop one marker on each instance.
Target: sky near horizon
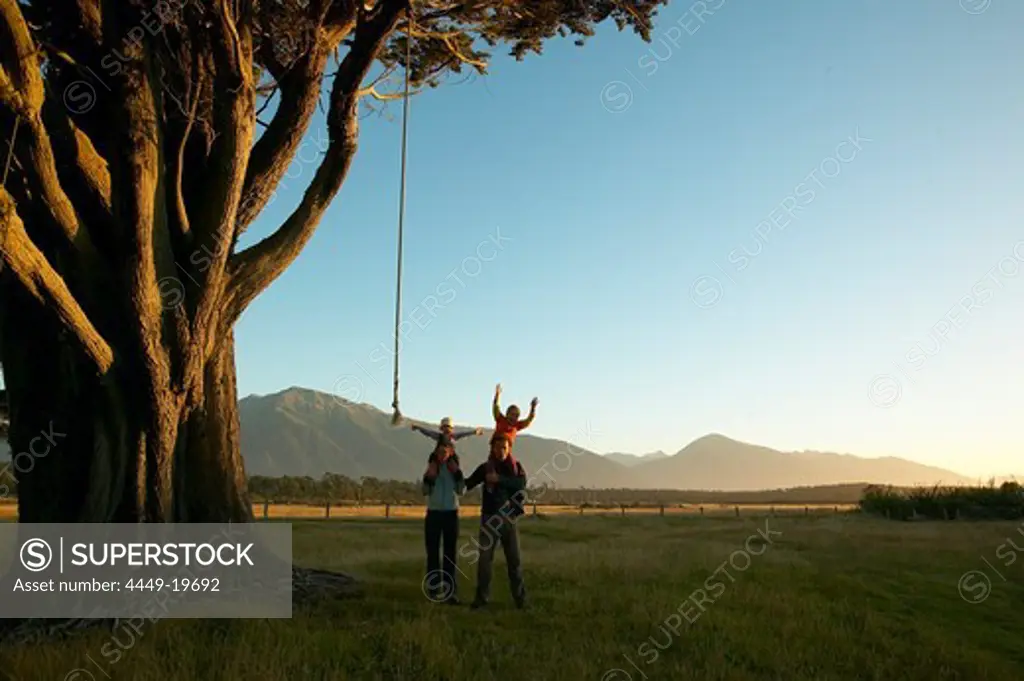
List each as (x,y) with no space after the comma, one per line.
(791,223)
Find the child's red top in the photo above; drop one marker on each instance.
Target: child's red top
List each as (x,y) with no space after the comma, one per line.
(503,427)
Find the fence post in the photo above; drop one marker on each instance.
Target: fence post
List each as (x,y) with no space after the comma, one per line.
(581,509)
(663,509)
(702,510)
(266,510)
(535,510)
(737,511)
(772,511)
(328,513)
(623,506)
(807,510)
(836,509)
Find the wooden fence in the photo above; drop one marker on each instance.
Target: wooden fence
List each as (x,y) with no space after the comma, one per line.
(270,510)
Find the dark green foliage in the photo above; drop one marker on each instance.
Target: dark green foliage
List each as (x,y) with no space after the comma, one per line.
(1005,502)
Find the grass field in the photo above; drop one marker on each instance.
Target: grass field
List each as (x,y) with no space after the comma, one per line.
(618,599)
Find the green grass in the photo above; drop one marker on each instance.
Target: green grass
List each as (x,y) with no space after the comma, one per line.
(844,597)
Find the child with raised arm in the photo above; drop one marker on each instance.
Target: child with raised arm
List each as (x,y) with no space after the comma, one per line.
(508,425)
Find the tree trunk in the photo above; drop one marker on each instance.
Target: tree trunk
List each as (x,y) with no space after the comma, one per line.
(212,484)
(73,427)
(68,426)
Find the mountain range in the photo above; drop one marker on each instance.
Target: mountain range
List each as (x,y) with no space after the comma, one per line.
(303,432)
(630,460)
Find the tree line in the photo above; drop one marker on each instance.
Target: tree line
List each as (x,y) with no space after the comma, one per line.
(1005,501)
(337,488)
(342,489)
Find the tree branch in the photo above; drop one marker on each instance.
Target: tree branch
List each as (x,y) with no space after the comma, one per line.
(83,172)
(299,93)
(140,209)
(299,88)
(234,114)
(37,276)
(22,91)
(255,268)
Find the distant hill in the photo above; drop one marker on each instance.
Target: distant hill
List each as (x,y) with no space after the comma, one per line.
(630,460)
(716,462)
(304,432)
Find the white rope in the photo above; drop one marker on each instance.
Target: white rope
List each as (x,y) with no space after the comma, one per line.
(397,416)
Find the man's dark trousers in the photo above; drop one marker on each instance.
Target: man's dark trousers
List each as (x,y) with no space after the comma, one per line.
(441,528)
(501,529)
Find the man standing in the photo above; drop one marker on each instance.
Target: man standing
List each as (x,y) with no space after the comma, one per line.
(504,489)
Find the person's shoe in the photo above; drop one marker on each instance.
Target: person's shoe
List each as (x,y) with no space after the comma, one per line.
(521,604)
(477,604)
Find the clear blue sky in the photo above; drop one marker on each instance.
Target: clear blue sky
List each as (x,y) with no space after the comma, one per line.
(607,218)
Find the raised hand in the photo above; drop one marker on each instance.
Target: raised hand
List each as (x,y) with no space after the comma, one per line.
(497,389)
(533,402)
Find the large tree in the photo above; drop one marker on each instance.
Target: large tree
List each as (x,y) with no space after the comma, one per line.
(138,162)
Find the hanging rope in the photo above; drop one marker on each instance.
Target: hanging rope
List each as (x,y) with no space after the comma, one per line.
(396,418)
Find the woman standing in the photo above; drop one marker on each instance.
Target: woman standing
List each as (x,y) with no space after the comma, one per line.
(443,483)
